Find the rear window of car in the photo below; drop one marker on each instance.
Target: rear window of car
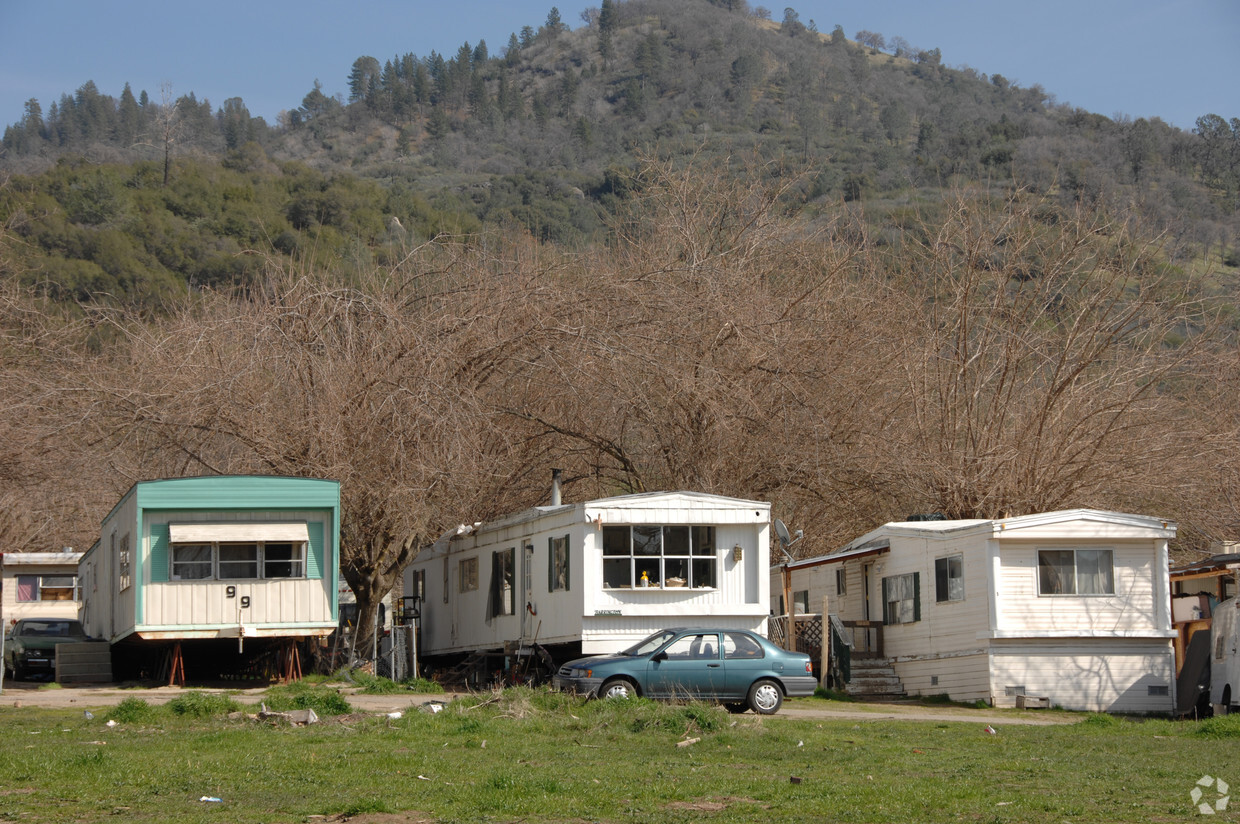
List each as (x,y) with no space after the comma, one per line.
(51,629)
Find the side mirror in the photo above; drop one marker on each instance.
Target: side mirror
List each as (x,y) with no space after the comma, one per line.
(659,656)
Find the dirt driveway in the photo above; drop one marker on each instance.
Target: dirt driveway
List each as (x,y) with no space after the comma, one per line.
(32,694)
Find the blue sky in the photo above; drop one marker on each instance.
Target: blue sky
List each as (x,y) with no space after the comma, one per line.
(1174,59)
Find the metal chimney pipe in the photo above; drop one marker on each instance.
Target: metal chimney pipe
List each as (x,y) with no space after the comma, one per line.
(555,486)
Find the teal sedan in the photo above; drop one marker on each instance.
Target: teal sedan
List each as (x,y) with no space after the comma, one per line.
(738,668)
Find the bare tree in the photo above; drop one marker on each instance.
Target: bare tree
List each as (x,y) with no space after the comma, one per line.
(1042,363)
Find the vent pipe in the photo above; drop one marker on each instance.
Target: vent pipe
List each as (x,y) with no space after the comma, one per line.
(555,486)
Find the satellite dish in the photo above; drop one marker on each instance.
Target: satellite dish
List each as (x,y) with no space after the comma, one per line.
(785,537)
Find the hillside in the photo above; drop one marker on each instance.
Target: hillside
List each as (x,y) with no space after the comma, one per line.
(544,134)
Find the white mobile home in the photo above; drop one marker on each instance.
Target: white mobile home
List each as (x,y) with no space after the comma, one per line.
(594,577)
(39,585)
(1070,606)
(219,557)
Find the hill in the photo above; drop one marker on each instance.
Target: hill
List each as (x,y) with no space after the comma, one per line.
(543,133)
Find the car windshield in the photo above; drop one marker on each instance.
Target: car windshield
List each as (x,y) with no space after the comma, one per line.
(649,645)
(51,629)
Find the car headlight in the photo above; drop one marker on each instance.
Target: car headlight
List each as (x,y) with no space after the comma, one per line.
(580,672)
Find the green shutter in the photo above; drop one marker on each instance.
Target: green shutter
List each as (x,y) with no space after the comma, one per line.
(551,565)
(886,608)
(916,596)
(159,553)
(568,564)
(315,556)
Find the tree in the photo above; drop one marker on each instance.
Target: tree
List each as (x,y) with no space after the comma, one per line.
(608,21)
(870,39)
(1039,364)
(365,76)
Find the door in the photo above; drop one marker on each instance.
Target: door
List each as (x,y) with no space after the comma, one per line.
(689,667)
(527,576)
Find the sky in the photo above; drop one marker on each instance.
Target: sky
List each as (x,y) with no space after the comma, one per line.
(1172,59)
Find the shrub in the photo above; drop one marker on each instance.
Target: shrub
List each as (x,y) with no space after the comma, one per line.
(197,704)
(300,696)
(1220,726)
(131,710)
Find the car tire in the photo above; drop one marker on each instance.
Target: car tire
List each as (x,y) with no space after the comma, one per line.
(19,673)
(618,688)
(735,708)
(765,697)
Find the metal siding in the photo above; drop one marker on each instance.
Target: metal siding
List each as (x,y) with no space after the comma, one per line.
(159,553)
(1089,677)
(314,554)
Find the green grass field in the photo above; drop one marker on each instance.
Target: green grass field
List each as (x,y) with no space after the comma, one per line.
(534,756)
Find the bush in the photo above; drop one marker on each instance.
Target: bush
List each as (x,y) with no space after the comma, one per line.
(131,710)
(301,696)
(195,704)
(1220,726)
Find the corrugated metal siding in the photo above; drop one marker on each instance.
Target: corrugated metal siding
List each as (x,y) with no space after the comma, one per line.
(1098,677)
(961,677)
(159,567)
(168,605)
(1131,608)
(316,552)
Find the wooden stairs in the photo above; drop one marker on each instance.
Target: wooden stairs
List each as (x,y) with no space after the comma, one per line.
(874,678)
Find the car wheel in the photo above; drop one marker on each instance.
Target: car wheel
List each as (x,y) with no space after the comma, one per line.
(618,688)
(735,708)
(765,697)
(19,673)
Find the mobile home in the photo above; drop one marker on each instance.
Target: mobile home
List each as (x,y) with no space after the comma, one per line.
(593,577)
(1064,608)
(210,558)
(39,585)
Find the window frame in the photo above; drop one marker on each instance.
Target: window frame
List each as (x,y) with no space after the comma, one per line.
(943,593)
(559,571)
(892,616)
(693,557)
(502,602)
(841,580)
(75,589)
(467,575)
(219,566)
(1076,572)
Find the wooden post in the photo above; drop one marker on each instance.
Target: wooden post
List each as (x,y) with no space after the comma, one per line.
(176,674)
(790,636)
(827,636)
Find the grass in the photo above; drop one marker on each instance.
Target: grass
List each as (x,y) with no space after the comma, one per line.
(539,756)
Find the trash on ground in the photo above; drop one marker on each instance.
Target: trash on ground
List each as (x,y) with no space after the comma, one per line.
(210,798)
(296,717)
(432,706)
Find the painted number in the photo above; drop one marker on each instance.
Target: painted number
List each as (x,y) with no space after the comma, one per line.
(231,592)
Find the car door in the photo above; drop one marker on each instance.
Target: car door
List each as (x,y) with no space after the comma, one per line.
(745,661)
(689,667)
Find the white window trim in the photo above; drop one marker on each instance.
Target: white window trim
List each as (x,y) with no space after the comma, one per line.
(299,560)
(1037,571)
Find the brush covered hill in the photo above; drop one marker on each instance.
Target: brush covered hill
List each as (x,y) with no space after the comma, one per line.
(133,198)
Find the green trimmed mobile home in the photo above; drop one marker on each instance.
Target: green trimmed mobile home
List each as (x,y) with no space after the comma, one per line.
(215,557)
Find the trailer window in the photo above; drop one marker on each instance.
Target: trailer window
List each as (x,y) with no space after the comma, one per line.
(663,557)
(1076,572)
(47,588)
(191,562)
(468,577)
(237,561)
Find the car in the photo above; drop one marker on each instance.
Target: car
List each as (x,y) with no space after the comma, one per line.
(738,668)
(30,646)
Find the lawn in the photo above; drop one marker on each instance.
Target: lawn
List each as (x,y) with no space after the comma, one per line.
(533,756)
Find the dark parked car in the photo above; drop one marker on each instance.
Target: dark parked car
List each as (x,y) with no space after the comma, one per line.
(30,646)
(735,667)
